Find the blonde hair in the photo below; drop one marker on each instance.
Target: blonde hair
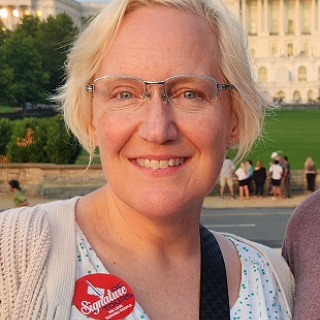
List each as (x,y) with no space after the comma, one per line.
(309,162)
(233,59)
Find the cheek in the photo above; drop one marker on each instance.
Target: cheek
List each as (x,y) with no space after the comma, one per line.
(212,132)
(110,131)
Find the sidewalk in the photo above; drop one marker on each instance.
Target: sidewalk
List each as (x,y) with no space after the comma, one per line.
(6,201)
(228,202)
(209,202)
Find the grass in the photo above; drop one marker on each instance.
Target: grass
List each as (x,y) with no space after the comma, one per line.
(292,133)
(83,158)
(4,109)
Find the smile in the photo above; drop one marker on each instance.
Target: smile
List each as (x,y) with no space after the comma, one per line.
(159,164)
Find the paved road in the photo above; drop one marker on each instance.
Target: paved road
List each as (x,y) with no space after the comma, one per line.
(264,225)
(261,220)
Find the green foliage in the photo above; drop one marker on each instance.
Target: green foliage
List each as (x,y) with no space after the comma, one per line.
(5,135)
(54,39)
(38,140)
(25,67)
(62,147)
(7,92)
(29,26)
(32,58)
(4,33)
(27,143)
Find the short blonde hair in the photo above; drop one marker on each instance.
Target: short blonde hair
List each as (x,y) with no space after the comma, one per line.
(233,58)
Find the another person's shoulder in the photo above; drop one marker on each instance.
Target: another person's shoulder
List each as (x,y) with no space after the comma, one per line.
(307,212)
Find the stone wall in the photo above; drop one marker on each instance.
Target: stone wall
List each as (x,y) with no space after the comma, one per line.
(66,181)
(52,181)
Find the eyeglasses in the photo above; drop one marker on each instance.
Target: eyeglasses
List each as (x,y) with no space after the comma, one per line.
(125,94)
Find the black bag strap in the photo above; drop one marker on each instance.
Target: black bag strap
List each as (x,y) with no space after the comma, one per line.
(214,299)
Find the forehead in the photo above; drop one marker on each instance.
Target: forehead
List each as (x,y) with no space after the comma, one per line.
(163,41)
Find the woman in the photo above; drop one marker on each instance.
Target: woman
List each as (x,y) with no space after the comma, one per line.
(243,180)
(163,107)
(276,172)
(19,199)
(311,173)
(259,178)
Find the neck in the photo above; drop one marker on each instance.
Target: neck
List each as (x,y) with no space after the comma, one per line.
(116,223)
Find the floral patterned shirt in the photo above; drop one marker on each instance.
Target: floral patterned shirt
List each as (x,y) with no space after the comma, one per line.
(259,294)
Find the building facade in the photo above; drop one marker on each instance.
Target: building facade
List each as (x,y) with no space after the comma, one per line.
(284,39)
(11,11)
(284,42)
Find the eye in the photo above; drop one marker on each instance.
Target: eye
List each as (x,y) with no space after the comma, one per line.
(190,94)
(125,95)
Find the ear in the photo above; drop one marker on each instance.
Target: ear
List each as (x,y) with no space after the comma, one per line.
(234,133)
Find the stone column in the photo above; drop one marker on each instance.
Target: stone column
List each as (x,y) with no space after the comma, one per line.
(281,19)
(298,20)
(266,17)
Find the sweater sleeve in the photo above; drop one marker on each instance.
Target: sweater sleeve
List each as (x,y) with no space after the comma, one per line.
(301,248)
(24,247)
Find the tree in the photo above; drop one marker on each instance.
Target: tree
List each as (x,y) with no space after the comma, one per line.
(7,86)
(4,33)
(32,58)
(54,39)
(24,60)
(29,26)
(5,135)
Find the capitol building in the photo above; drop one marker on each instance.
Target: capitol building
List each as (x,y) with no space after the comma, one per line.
(284,39)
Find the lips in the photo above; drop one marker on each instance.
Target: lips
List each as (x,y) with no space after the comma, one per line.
(159,164)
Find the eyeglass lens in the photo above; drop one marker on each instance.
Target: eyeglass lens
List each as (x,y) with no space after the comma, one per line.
(187,93)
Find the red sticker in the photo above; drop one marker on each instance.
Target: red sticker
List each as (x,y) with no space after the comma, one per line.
(103,296)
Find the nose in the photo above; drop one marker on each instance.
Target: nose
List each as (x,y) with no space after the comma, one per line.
(158,120)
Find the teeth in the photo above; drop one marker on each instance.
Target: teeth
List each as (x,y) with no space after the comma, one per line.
(160,164)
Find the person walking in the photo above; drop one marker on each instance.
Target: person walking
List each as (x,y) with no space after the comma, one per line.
(19,199)
(243,181)
(259,177)
(276,172)
(226,177)
(286,177)
(310,173)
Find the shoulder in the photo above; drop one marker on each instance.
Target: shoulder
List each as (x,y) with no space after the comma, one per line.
(31,219)
(306,214)
(302,234)
(277,264)
(35,219)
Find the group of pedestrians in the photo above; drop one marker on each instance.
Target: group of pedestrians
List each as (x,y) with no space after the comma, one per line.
(246,175)
(252,180)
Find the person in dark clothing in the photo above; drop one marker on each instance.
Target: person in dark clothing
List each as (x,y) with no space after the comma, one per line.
(286,177)
(259,177)
(310,172)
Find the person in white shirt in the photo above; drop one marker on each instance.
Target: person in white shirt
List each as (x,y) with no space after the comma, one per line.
(226,177)
(276,172)
(243,179)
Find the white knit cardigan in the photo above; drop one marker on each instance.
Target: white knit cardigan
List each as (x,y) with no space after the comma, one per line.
(38,262)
